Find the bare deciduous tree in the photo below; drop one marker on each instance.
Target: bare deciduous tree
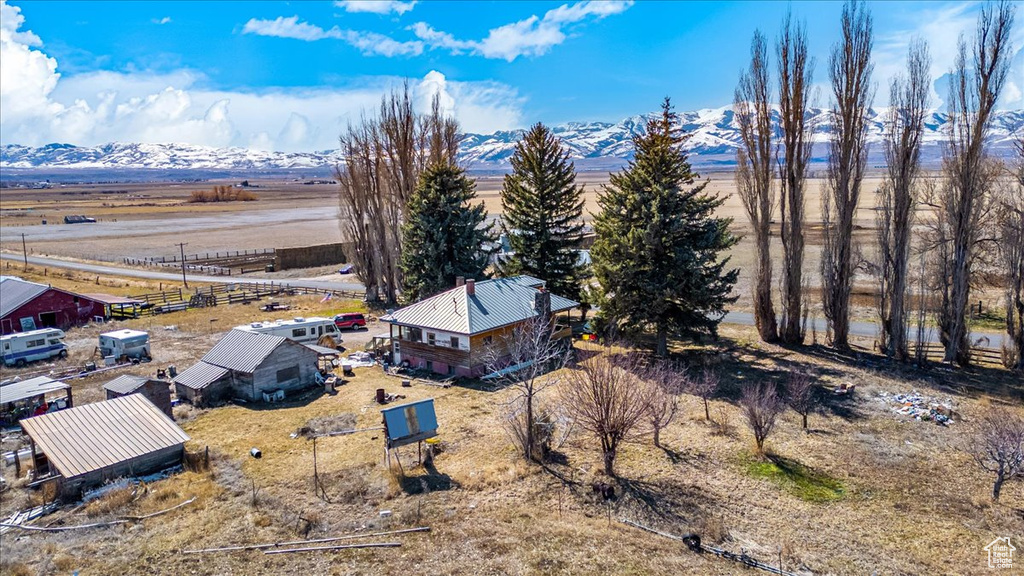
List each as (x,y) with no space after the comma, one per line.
(523,360)
(667,382)
(998,446)
(801,394)
(976,83)
(761,408)
(795,80)
(850,74)
(607,397)
(383,158)
(908,103)
(754,176)
(1010,230)
(705,387)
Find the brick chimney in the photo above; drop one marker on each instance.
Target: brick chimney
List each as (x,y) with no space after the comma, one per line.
(542,303)
(470,287)
(460,281)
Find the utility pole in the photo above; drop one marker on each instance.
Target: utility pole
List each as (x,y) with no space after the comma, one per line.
(24,250)
(182,245)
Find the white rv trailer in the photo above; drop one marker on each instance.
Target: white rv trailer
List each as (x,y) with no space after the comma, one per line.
(313,330)
(125,343)
(23,347)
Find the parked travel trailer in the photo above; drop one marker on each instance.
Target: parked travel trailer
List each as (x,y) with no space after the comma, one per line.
(314,330)
(132,344)
(23,347)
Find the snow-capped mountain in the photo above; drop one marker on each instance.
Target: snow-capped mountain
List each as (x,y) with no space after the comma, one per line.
(714,137)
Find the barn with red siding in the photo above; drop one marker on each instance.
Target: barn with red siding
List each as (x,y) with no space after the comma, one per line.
(28,306)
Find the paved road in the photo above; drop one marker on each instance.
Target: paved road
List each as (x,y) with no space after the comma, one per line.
(868,329)
(176,276)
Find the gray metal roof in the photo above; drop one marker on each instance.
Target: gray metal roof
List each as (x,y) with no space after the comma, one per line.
(200,375)
(30,388)
(242,351)
(87,438)
(15,293)
(496,303)
(125,384)
(322,350)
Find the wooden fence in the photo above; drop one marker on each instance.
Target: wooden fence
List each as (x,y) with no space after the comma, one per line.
(219,295)
(213,263)
(979,356)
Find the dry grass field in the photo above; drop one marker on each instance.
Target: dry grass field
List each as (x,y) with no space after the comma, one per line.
(865,491)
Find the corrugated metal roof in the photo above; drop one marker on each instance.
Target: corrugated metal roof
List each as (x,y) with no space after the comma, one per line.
(496,303)
(125,384)
(87,438)
(28,388)
(15,293)
(200,375)
(242,351)
(322,350)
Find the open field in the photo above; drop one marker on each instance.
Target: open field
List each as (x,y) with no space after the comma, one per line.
(866,491)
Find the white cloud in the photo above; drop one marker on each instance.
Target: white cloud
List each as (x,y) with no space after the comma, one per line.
(376,6)
(369,43)
(40,106)
(164,20)
(941,27)
(533,36)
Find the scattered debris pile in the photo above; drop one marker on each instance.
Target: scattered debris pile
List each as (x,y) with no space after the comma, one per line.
(920,407)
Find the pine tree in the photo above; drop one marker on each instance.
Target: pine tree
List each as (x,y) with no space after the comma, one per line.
(657,250)
(543,210)
(443,237)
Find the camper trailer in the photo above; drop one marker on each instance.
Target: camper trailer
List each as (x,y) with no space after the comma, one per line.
(312,330)
(130,344)
(20,348)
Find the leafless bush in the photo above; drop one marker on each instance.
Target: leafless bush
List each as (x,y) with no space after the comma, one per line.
(222,194)
(667,382)
(761,408)
(705,387)
(800,394)
(607,397)
(1010,232)
(533,354)
(998,446)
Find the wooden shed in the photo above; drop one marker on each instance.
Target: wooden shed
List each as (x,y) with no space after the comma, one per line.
(87,445)
(158,391)
(248,365)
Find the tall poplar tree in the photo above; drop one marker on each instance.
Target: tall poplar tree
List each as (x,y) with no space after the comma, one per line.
(443,236)
(656,255)
(543,209)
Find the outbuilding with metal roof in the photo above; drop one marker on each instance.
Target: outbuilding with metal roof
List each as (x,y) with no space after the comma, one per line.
(26,306)
(246,365)
(88,445)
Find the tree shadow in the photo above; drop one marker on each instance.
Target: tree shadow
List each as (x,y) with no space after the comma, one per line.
(667,500)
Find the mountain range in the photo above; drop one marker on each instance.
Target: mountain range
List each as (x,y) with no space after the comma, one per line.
(714,137)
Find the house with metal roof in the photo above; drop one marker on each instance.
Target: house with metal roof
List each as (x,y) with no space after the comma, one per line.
(449,333)
(158,391)
(87,445)
(250,366)
(26,306)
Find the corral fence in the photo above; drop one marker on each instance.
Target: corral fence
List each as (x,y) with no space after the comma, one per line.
(979,356)
(214,263)
(218,295)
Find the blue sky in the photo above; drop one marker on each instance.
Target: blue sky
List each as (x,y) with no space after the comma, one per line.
(290,75)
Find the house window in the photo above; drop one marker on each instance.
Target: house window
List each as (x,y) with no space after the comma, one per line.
(451,370)
(287,374)
(296,332)
(455,341)
(430,365)
(414,334)
(488,340)
(431,338)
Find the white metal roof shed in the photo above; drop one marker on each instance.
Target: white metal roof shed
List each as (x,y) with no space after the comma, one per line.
(88,438)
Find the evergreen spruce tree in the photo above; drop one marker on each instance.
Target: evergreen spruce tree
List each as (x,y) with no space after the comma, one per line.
(656,255)
(442,236)
(543,214)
